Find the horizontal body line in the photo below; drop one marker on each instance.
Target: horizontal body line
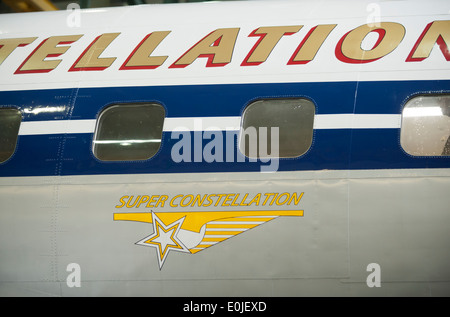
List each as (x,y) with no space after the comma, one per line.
(202,124)
(357,121)
(57,127)
(321,121)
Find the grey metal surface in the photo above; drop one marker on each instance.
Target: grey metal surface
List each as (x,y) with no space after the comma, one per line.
(400,222)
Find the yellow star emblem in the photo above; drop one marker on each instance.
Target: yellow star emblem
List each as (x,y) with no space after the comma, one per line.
(164,238)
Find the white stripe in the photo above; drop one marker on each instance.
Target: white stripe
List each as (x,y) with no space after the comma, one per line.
(323,121)
(243,217)
(208,243)
(226,229)
(357,121)
(127,142)
(202,124)
(57,127)
(231,222)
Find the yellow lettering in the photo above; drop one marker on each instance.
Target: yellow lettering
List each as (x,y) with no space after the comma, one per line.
(219,199)
(129,200)
(210,201)
(7,46)
(295,198)
(122,200)
(226,201)
(233,203)
(37,61)
(255,200)
(199,200)
(161,200)
(349,48)
(437,32)
(243,200)
(217,47)
(280,203)
(142,200)
(140,58)
(268,195)
(189,197)
(90,59)
(269,37)
(311,44)
(172,204)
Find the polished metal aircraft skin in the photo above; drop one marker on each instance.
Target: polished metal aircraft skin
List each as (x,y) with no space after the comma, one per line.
(255,148)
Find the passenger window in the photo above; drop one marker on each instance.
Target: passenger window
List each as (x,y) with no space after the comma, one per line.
(425,129)
(129,132)
(293,119)
(9,131)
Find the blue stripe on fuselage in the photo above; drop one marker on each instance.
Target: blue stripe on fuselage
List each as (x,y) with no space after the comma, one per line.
(331,148)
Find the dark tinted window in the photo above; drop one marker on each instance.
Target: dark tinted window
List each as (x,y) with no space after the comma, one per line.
(9,130)
(127,132)
(292,119)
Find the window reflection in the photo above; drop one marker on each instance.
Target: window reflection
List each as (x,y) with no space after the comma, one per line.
(9,130)
(291,119)
(129,132)
(425,127)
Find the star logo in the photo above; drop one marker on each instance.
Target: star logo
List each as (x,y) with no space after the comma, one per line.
(164,238)
(195,231)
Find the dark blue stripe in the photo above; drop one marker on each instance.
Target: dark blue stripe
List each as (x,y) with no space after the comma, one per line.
(331,149)
(222,100)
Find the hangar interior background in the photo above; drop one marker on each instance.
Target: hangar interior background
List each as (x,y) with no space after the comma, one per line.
(11,6)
